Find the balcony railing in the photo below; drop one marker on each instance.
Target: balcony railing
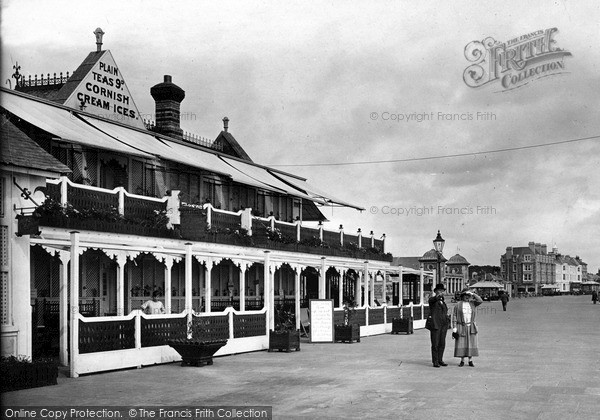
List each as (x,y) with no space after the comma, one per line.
(75,206)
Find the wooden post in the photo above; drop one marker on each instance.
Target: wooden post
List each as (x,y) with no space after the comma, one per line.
(74,310)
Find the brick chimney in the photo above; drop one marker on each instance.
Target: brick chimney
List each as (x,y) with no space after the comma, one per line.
(532,246)
(538,248)
(168,97)
(544,249)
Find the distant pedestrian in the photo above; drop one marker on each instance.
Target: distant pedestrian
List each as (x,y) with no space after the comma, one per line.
(594,297)
(438,311)
(504,299)
(464,327)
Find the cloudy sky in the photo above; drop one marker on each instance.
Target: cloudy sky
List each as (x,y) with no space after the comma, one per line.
(338,84)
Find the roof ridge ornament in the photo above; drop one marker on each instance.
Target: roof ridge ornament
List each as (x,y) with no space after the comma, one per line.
(99,33)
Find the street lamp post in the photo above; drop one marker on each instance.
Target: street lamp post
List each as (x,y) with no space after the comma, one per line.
(438,243)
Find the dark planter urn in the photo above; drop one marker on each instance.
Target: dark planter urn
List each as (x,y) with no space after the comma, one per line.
(402,325)
(284,340)
(27,375)
(347,333)
(196,352)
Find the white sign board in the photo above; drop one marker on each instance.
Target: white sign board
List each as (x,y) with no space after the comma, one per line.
(321,321)
(103,92)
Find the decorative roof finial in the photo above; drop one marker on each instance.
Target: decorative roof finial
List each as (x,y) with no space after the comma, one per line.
(98,32)
(17,76)
(225,124)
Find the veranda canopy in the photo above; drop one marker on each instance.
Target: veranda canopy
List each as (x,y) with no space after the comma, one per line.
(487,285)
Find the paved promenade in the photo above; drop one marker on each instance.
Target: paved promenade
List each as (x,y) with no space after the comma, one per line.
(538,360)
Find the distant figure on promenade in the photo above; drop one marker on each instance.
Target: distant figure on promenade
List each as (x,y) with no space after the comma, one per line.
(439,315)
(504,299)
(464,327)
(594,297)
(153,306)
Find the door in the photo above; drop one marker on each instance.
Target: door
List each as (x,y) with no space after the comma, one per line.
(108,290)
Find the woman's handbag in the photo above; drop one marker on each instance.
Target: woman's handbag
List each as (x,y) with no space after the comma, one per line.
(429,323)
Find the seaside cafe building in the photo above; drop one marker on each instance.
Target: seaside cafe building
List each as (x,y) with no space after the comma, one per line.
(100,209)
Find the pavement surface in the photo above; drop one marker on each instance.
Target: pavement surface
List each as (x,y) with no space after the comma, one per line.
(538,360)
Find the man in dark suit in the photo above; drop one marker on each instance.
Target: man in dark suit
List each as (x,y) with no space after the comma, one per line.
(439,315)
(504,299)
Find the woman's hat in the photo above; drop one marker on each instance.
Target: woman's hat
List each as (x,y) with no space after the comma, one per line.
(439,286)
(464,291)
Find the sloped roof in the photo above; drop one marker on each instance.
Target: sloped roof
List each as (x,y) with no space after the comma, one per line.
(231,146)
(410,262)
(77,76)
(458,260)
(432,255)
(17,149)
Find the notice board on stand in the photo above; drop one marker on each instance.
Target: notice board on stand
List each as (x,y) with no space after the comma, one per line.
(321,321)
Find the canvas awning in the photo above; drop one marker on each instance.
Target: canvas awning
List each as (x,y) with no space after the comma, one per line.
(62,123)
(264,177)
(487,285)
(163,148)
(82,128)
(314,192)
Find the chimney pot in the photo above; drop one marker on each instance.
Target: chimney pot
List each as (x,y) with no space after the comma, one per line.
(168,97)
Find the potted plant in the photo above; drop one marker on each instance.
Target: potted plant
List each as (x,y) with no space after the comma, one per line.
(198,348)
(349,331)
(285,337)
(404,325)
(22,373)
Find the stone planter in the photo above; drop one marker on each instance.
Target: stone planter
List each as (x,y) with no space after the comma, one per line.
(347,333)
(284,340)
(402,325)
(23,375)
(196,352)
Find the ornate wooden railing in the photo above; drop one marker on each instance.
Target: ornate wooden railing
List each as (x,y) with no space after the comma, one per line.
(308,233)
(121,212)
(360,316)
(156,332)
(210,327)
(106,335)
(376,316)
(224,220)
(254,304)
(288,230)
(86,198)
(350,239)
(141,208)
(331,238)
(338,317)
(392,313)
(249,325)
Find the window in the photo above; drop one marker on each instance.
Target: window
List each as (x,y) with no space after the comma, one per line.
(526,277)
(514,267)
(527,257)
(527,267)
